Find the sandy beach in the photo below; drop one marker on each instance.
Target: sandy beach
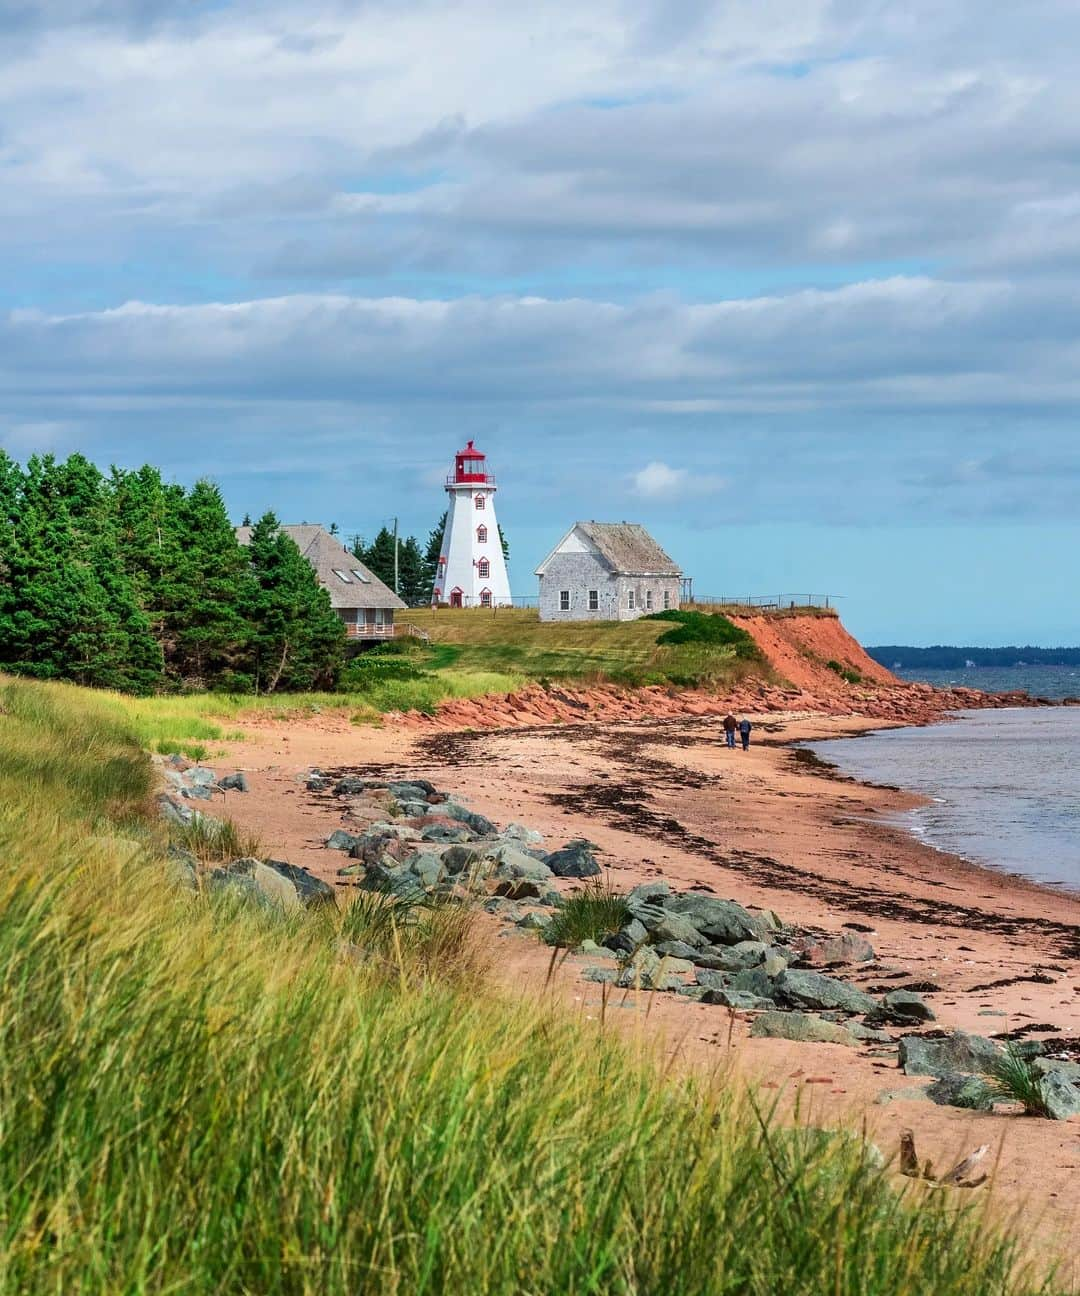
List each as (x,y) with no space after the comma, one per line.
(769,828)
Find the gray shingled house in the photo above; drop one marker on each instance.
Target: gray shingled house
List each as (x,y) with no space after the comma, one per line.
(363,602)
(607,571)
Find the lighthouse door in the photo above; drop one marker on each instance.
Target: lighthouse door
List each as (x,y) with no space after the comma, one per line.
(455,597)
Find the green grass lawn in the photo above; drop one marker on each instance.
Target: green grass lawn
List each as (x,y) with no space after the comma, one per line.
(203,1099)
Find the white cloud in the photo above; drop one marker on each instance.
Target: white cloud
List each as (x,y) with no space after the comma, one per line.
(659,481)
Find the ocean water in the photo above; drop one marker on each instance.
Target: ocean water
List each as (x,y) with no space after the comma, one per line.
(1005,786)
(1040,681)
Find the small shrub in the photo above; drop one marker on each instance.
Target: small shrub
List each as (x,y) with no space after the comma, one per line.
(706,628)
(1016,1078)
(835,666)
(592,914)
(216,841)
(852,677)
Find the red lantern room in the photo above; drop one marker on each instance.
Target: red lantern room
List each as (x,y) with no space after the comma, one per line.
(470,467)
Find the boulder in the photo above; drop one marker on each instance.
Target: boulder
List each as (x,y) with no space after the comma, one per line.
(426,867)
(312,891)
(800,1026)
(200,792)
(461,859)
(644,970)
(516,832)
(723,922)
(650,915)
(200,776)
(576,860)
(521,889)
(628,938)
(317,783)
(252,877)
(601,974)
(650,893)
(908,1006)
(552,899)
(413,809)
(341,840)
(815,990)
(968,1091)
(234,782)
(675,927)
(849,947)
(181,869)
(173,811)
(438,832)
(676,949)
(948,1054)
(412,790)
(754,981)
(868,1033)
(350,785)
(1070,1070)
(512,863)
(741,999)
(534,922)
(474,822)
(1061,1096)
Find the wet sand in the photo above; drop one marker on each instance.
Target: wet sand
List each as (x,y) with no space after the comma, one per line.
(769,828)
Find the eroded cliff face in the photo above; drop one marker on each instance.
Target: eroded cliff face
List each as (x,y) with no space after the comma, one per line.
(798,648)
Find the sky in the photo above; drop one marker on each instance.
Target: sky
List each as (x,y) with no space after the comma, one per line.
(794,283)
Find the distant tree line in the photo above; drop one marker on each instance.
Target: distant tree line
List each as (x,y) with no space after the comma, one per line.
(417,567)
(941,657)
(125,581)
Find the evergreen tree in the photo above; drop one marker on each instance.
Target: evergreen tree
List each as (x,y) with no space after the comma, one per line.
(297,638)
(505,546)
(432,554)
(411,569)
(70,610)
(378,557)
(147,518)
(204,625)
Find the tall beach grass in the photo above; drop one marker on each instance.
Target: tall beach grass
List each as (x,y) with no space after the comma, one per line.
(195,1098)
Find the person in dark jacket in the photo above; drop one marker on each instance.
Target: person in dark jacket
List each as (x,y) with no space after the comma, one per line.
(744,733)
(730,725)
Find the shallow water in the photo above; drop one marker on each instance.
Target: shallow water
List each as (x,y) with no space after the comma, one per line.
(1005,786)
(1040,681)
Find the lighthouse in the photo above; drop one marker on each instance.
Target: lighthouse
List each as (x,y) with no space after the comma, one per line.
(472,570)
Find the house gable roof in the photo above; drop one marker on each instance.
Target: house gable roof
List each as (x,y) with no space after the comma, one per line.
(361,588)
(624,547)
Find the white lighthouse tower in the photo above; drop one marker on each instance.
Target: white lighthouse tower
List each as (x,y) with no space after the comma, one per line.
(472,570)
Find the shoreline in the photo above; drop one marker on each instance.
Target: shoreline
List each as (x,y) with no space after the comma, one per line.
(662,798)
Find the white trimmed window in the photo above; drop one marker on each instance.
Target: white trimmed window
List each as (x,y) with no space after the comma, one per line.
(564,600)
(648,600)
(483,569)
(480,502)
(630,600)
(485,598)
(481,534)
(594,600)
(667,599)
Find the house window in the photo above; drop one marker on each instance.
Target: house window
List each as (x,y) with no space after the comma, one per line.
(648,600)
(480,502)
(630,600)
(667,599)
(594,600)
(341,576)
(481,534)
(485,598)
(483,569)
(564,600)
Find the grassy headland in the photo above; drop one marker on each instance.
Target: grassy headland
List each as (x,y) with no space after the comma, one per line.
(200,1098)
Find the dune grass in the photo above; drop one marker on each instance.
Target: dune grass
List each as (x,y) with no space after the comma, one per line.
(592,913)
(197,1098)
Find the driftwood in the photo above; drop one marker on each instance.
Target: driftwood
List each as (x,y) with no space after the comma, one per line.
(960,1176)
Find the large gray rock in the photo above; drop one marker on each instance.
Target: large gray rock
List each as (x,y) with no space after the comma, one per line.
(628,938)
(350,785)
(575,860)
(800,1026)
(200,776)
(908,1006)
(947,1055)
(849,947)
(815,990)
(676,949)
(655,893)
(647,913)
(476,823)
(534,922)
(968,1091)
(723,922)
(462,859)
(312,891)
(516,832)
(676,927)
(448,833)
(754,981)
(1061,1096)
(645,970)
(427,868)
(1070,1070)
(174,811)
(601,974)
(741,999)
(412,790)
(234,782)
(341,840)
(200,792)
(255,879)
(512,863)
(181,869)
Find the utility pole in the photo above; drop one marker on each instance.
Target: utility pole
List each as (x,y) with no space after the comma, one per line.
(395,558)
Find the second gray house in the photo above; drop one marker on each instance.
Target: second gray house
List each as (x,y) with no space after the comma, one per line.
(607,571)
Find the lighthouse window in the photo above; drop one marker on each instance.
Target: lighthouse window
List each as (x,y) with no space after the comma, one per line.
(481,534)
(479,501)
(485,598)
(564,600)
(483,569)
(341,576)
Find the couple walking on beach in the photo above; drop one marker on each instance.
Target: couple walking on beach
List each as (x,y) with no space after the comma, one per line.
(743,726)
